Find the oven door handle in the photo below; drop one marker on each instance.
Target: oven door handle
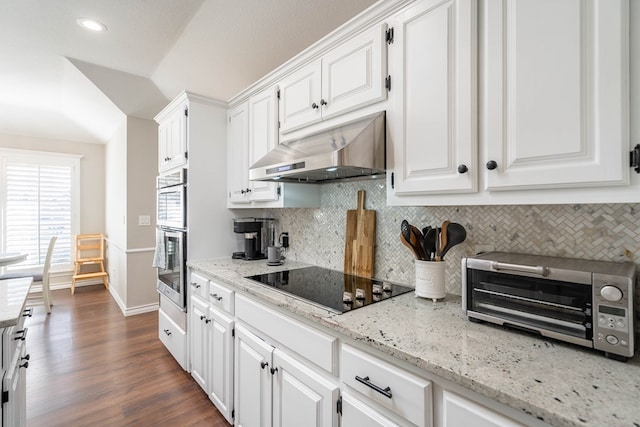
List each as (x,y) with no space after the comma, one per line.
(538,269)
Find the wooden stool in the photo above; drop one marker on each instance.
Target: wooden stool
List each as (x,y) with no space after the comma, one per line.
(89,251)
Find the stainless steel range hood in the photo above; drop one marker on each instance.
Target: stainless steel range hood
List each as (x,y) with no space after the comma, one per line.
(352,150)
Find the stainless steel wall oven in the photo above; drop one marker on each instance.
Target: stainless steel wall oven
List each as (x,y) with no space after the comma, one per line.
(171,238)
(171,201)
(171,272)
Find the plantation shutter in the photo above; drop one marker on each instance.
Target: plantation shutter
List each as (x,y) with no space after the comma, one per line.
(38,206)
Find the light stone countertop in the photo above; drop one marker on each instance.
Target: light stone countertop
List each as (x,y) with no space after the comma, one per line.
(561,384)
(13,296)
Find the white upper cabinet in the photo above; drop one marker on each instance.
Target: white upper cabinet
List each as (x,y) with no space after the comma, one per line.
(556,93)
(252,132)
(300,97)
(263,137)
(238,151)
(433,119)
(348,77)
(172,139)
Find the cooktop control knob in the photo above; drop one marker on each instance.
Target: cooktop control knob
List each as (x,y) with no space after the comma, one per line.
(611,293)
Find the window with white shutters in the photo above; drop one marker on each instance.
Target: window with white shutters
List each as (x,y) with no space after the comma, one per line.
(39,201)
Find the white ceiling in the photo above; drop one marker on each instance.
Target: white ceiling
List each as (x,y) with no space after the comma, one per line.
(62,82)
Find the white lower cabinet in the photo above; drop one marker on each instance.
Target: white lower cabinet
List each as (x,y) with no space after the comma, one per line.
(287,381)
(458,411)
(198,340)
(272,388)
(221,362)
(211,330)
(301,397)
(14,362)
(253,358)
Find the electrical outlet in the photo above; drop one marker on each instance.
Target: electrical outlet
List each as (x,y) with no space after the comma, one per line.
(480,249)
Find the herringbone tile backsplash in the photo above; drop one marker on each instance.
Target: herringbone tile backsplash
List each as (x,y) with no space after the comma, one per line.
(595,231)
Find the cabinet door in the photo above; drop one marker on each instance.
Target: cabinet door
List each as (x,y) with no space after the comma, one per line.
(164,132)
(252,381)
(238,146)
(221,362)
(172,140)
(556,93)
(353,74)
(458,411)
(300,96)
(433,121)
(301,397)
(358,414)
(198,340)
(263,137)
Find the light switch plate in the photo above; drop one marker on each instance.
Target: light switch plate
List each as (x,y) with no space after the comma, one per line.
(144,220)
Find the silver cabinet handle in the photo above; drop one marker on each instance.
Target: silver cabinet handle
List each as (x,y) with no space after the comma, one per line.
(383,391)
(538,269)
(168,332)
(195,285)
(218,298)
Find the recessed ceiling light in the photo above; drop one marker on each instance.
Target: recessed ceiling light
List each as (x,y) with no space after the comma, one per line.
(91,24)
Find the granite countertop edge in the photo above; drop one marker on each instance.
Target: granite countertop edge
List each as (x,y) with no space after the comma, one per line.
(513,368)
(13,299)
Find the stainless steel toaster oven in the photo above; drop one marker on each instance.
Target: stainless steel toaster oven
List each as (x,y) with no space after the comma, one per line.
(589,303)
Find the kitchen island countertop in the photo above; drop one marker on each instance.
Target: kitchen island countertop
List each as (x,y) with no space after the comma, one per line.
(561,384)
(13,296)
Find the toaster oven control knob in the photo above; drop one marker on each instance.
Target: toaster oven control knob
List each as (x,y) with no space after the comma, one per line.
(612,339)
(611,293)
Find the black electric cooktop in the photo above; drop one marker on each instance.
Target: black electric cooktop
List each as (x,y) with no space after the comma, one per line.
(331,289)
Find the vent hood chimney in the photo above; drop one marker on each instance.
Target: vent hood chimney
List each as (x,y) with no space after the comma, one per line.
(352,150)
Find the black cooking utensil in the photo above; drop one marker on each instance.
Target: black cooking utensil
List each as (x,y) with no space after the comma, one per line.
(430,242)
(418,241)
(456,234)
(412,238)
(425,242)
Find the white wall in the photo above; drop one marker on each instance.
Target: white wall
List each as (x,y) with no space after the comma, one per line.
(115,212)
(142,168)
(131,168)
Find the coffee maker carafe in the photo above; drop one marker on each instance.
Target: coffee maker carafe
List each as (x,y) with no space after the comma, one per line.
(257,237)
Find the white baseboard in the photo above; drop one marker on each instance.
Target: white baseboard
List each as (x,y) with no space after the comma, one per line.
(132,311)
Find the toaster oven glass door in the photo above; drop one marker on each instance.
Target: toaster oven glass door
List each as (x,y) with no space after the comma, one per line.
(536,302)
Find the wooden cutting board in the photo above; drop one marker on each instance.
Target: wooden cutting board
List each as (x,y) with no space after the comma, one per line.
(360,240)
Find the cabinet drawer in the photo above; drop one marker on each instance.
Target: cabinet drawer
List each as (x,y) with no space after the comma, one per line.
(310,343)
(173,337)
(199,285)
(458,411)
(401,392)
(221,296)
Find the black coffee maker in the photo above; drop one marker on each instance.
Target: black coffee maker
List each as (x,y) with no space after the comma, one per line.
(257,237)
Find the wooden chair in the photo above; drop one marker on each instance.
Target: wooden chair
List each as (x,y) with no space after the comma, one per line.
(89,251)
(40,277)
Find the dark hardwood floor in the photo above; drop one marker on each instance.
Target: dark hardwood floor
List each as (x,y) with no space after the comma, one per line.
(91,366)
